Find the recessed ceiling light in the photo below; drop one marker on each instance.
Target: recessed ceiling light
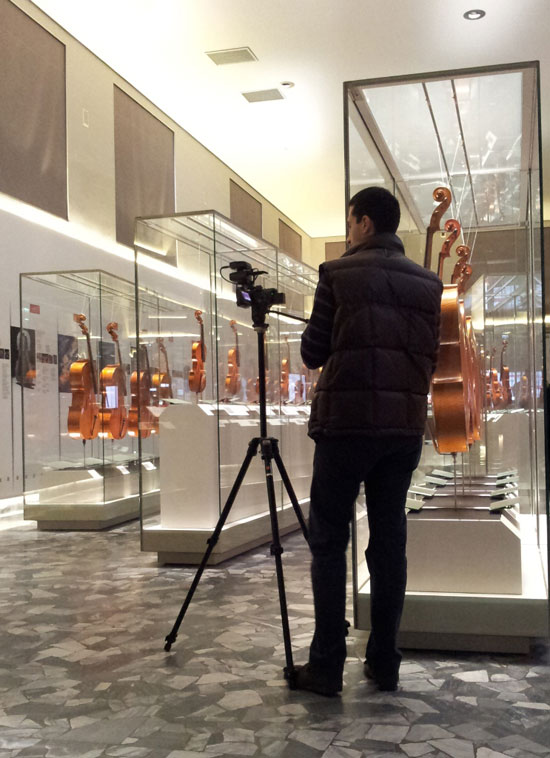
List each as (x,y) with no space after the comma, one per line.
(287,85)
(474,15)
(261,96)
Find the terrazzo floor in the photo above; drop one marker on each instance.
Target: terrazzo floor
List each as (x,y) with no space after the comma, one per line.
(84,673)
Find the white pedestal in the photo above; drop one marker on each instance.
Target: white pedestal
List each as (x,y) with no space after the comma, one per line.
(201,452)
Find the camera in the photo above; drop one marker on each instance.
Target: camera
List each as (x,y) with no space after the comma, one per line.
(250,294)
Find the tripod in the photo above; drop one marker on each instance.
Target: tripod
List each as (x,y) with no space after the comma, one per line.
(269,448)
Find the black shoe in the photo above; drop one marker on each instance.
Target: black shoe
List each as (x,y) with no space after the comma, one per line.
(384,683)
(315,681)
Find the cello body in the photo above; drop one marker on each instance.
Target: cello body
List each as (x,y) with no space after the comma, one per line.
(449,396)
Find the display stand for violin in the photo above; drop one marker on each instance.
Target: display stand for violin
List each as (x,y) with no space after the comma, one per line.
(269,448)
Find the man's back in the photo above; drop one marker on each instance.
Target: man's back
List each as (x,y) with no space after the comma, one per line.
(383,342)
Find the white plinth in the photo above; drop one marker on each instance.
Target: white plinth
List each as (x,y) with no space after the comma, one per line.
(202,449)
(464,550)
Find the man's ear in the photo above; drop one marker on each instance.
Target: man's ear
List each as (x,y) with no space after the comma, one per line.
(367,226)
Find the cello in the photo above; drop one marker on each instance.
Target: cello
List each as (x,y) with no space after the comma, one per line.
(448,389)
(442,196)
(82,421)
(113,415)
(233,378)
(197,375)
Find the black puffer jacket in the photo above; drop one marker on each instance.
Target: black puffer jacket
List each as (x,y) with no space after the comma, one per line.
(375,328)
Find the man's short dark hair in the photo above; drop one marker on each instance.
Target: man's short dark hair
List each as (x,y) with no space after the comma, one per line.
(379,205)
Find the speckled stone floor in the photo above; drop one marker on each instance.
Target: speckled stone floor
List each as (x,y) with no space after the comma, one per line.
(84,673)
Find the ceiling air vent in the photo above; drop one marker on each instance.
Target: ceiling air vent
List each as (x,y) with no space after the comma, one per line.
(232,55)
(261,95)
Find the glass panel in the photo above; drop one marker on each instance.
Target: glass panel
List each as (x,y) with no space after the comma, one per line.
(75,346)
(204,431)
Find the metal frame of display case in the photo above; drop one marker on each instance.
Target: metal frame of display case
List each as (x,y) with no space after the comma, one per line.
(478,578)
(203,436)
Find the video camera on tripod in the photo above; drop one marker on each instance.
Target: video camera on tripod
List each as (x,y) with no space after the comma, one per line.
(252,295)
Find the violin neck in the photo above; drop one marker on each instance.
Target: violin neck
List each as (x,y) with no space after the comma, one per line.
(91,359)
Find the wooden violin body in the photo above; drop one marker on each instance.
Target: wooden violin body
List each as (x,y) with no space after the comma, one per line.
(285,371)
(113,415)
(233,378)
(140,419)
(83,418)
(197,375)
(161,380)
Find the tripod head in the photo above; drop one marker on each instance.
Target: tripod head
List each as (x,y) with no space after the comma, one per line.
(251,295)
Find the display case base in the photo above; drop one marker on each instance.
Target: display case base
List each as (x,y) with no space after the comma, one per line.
(470,621)
(187,546)
(83,516)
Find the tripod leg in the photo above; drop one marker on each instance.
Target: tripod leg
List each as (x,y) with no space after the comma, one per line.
(276,552)
(211,542)
(288,487)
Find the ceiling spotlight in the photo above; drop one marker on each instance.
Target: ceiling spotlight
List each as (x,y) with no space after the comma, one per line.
(474,15)
(287,85)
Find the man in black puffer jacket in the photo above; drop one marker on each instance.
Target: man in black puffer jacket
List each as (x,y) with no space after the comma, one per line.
(375,330)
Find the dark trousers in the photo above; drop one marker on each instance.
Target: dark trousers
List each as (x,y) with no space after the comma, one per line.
(385,465)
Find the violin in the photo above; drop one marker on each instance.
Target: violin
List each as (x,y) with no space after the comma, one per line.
(442,196)
(496,388)
(113,415)
(505,377)
(140,419)
(197,375)
(161,380)
(285,371)
(523,396)
(233,379)
(82,422)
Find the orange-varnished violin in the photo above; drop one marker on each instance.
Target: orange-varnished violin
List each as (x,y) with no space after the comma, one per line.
(233,378)
(140,419)
(113,415)
(197,375)
(83,419)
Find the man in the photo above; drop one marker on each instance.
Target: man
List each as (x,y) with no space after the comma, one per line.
(375,330)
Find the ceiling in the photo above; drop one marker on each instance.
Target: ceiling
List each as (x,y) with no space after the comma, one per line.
(291,150)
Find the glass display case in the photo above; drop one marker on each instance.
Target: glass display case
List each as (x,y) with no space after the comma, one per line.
(206,414)
(74,358)
(477,516)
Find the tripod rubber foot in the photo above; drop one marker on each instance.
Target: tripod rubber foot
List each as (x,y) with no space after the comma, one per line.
(290,676)
(169,640)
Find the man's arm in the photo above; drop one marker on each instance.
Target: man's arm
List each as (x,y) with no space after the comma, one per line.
(316,338)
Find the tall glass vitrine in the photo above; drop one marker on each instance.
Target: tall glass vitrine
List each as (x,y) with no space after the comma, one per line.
(478,520)
(207,348)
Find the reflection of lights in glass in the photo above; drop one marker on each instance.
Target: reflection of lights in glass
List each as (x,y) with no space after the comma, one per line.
(149,466)
(123,470)
(474,15)
(94,474)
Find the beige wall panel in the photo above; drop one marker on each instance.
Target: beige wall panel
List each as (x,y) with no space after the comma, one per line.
(91,151)
(290,241)
(334,250)
(246,211)
(33,163)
